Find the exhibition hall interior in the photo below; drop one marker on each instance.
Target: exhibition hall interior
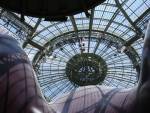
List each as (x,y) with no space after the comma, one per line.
(85,55)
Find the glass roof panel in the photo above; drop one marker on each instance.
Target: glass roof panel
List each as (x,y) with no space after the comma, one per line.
(135,8)
(31,51)
(109,22)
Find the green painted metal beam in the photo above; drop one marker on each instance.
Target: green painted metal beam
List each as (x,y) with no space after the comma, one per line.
(90,27)
(30,35)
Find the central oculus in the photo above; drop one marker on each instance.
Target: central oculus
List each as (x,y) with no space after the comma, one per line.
(86,69)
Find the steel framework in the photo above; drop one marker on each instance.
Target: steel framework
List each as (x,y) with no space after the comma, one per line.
(114,31)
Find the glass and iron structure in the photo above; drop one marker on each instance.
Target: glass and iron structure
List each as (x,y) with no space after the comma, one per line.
(104,49)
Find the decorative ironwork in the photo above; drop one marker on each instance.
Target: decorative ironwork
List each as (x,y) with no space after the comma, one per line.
(86,69)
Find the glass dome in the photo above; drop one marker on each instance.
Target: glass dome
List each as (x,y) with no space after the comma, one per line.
(114,32)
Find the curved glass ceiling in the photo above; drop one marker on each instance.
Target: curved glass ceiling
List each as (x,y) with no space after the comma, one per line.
(114,31)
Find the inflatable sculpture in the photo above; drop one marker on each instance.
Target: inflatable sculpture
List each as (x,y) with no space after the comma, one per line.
(56,10)
(20,93)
